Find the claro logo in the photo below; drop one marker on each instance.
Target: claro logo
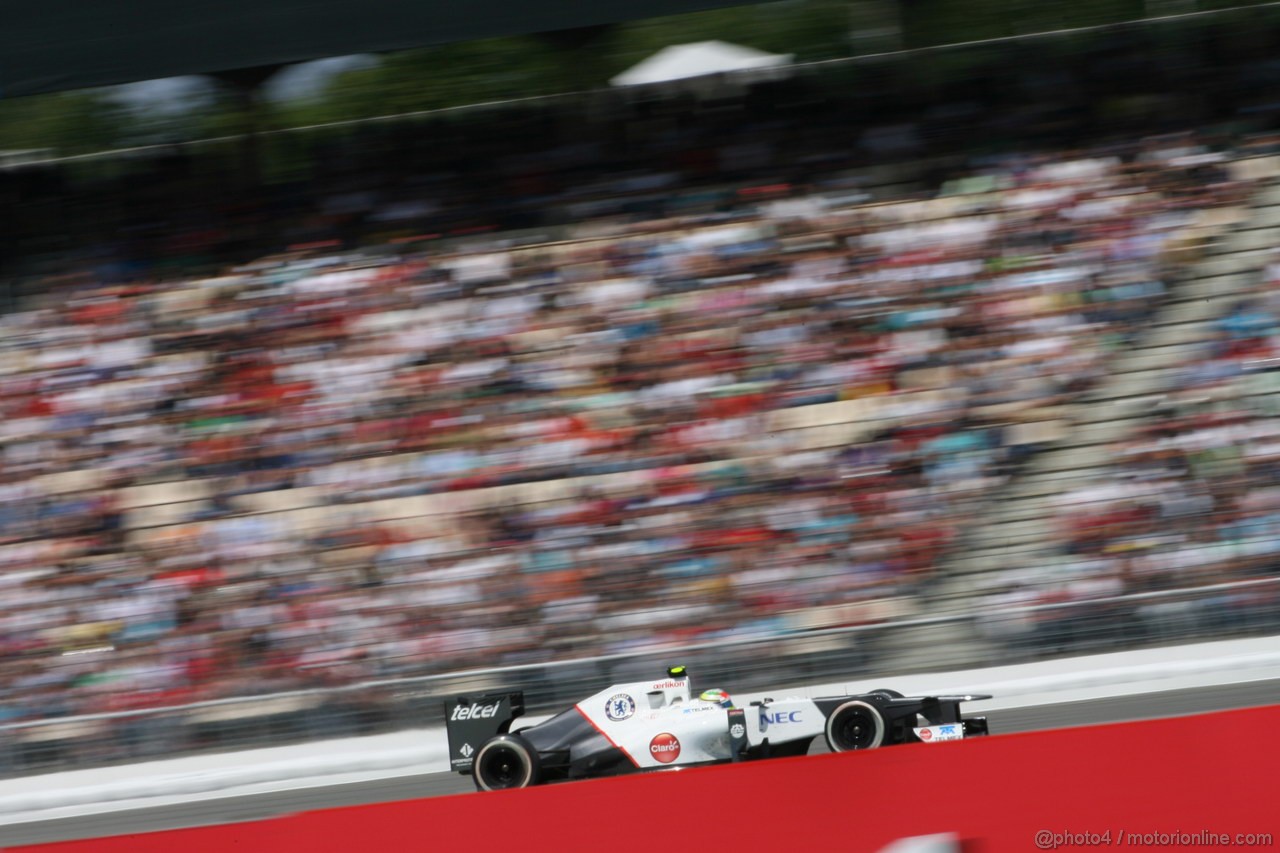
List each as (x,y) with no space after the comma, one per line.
(475,712)
(664,748)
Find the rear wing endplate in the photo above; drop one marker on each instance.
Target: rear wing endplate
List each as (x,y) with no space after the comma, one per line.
(471,720)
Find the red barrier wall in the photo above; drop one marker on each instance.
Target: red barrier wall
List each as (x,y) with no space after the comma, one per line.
(1214,772)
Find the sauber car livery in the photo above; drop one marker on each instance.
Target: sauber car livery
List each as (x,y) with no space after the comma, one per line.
(660,724)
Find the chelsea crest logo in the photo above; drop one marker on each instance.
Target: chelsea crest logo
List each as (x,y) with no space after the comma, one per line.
(619,707)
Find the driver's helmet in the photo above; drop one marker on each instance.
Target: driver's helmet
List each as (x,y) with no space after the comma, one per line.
(718,697)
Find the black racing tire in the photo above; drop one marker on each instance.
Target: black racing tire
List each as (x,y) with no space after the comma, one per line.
(506,761)
(892,694)
(855,725)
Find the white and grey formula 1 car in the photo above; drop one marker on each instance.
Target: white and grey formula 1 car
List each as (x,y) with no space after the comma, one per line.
(656,725)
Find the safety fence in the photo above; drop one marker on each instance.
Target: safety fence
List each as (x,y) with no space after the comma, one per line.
(1009,635)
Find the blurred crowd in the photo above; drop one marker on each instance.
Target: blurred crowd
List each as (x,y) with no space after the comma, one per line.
(1188,497)
(683,425)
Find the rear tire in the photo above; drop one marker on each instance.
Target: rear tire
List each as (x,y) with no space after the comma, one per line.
(855,725)
(892,694)
(506,761)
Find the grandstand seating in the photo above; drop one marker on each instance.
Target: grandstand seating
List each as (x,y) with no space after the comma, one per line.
(328,466)
(1099,515)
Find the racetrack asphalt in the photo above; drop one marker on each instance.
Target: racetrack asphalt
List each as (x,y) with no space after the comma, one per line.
(243,808)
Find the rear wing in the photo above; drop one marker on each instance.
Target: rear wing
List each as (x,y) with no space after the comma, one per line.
(471,720)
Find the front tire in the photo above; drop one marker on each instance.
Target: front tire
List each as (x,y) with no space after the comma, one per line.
(506,761)
(855,725)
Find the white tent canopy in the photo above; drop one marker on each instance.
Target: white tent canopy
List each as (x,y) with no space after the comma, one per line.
(684,61)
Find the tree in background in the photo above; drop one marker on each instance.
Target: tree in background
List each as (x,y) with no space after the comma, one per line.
(524,66)
(68,122)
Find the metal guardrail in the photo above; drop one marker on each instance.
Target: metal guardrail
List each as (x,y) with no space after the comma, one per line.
(1010,635)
